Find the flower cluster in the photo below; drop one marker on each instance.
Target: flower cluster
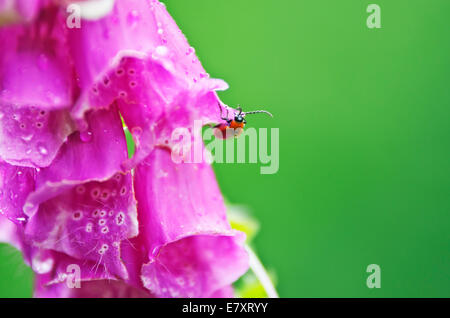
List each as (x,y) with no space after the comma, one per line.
(69,193)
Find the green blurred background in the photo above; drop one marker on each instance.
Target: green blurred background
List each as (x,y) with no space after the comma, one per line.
(364,140)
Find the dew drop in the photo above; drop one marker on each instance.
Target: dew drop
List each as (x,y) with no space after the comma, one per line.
(21,220)
(133,18)
(161,50)
(27,137)
(190,50)
(86,136)
(42,150)
(42,266)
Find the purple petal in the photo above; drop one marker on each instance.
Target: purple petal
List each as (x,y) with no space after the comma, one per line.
(13,234)
(70,277)
(137,29)
(191,248)
(95,155)
(88,289)
(30,136)
(226,292)
(137,56)
(55,271)
(8,233)
(36,69)
(36,90)
(16,183)
(88,222)
(196,266)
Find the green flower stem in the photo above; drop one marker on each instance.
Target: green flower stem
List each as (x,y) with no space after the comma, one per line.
(261,273)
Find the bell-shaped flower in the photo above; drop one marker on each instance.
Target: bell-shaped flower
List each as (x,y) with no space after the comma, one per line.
(70,196)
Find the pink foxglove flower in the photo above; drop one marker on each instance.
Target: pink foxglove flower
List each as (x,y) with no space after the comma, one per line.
(90,221)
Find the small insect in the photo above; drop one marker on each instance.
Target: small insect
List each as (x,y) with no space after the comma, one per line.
(236,125)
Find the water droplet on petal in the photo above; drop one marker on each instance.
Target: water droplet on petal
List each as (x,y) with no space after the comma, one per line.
(42,266)
(27,137)
(86,136)
(21,220)
(190,50)
(133,18)
(42,150)
(161,50)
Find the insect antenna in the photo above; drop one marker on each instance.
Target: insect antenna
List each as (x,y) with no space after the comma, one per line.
(258,111)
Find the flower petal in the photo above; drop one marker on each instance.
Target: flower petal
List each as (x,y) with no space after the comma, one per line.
(226,292)
(95,155)
(137,56)
(8,233)
(16,183)
(30,136)
(137,29)
(191,248)
(88,289)
(196,266)
(59,275)
(37,86)
(88,222)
